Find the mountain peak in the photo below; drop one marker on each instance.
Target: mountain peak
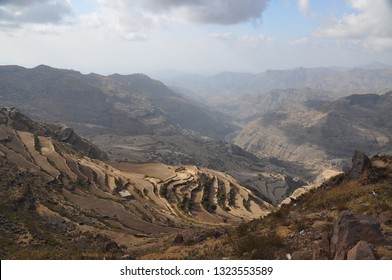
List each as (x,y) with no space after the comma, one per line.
(43,67)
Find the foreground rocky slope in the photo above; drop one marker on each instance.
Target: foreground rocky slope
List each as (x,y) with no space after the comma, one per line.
(348,217)
(59,203)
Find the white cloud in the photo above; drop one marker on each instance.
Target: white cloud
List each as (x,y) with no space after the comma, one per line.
(250,41)
(137,18)
(303,6)
(300,41)
(254,41)
(19,13)
(210,11)
(119,19)
(371,24)
(227,36)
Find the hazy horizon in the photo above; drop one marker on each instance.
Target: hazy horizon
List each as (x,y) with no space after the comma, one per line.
(174,72)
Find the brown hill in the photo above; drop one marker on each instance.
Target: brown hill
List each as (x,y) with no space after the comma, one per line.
(56,203)
(124,105)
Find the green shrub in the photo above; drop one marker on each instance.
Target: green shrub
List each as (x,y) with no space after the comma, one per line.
(258,247)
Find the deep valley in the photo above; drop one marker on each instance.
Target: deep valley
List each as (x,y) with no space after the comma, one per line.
(228,166)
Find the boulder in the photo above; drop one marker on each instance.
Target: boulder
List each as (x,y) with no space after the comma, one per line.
(302,255)
(178,240)
(361,251)
(112,247)
(385,217)
(349,229)
(360,163)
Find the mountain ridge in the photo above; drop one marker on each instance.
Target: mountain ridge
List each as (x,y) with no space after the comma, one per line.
(216,88)
(47,94)
(330,130)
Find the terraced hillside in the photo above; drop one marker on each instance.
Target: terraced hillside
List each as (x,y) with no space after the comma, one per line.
(347,217)
(138,119)
(48,186)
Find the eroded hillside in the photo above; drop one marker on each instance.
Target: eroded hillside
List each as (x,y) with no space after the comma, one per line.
(329,131)
(348,217)
(53,194)
(138,119)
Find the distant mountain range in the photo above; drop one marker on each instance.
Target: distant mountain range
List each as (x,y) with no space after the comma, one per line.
(321,132)
(215,89)
(311,116)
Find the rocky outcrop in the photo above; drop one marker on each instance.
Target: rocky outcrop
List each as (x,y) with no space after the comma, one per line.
(13,118)
(360,163)
(349,229)
(67,135)
(321,251)
(361,251)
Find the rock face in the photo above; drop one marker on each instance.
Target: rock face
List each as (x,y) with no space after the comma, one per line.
(321,250)
(13,118)
(67,135)
(361,251)
(360,163)
(349,229)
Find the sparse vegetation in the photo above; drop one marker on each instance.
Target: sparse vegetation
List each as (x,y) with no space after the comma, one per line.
(138,192)
(37,144)
(207,183)
(163,190)
(263,247)
(221,194)
(119,183)
(232,193)
(246,203)
(186,204)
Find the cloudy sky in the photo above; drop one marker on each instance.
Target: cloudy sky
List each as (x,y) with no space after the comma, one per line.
(199,36)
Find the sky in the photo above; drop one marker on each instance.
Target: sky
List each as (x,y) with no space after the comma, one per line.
(194,36)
